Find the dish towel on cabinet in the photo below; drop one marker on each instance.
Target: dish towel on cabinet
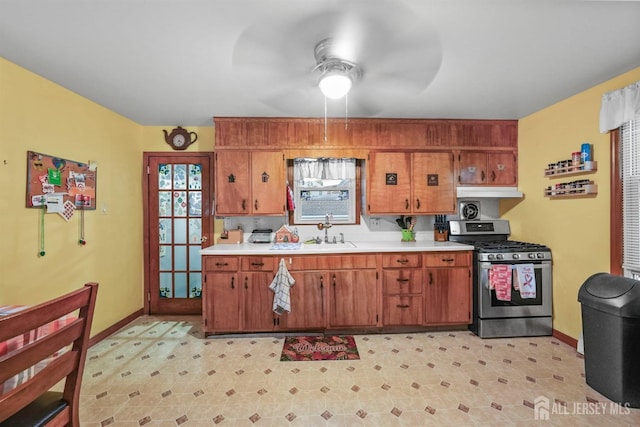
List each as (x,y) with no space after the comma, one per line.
(281,286)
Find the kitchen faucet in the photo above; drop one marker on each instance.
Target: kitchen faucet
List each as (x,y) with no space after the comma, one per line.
(325,226)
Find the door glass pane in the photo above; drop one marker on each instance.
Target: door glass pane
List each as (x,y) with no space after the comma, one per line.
(180,258)
(195,230)
(195,203)
(165,231)
(180,230)
(195,177)
(180,203)
(195,285)
(164,177)
(165,257)
(179,177)
(195,258)
(165,285)
(164,203)
(180,285)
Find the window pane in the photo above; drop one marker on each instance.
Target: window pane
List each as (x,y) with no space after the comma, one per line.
(195,285)
(180,258)
(195,259)
(179,177)
(195,230)
(165,285)
(180,203)
(180,230)
(195,203)
(180,285)
(164,177)
(195,177)
(165,257)
(164,203)
(165,231)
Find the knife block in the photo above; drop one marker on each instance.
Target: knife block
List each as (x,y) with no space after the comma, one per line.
(440,236)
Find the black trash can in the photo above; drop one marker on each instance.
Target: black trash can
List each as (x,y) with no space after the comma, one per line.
(611,333)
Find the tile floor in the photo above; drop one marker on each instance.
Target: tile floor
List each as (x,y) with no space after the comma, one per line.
(160,371)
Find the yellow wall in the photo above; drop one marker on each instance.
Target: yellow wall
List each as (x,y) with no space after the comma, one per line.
(577,230)
(38,115)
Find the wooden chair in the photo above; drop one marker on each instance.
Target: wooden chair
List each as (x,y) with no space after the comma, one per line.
(32,403)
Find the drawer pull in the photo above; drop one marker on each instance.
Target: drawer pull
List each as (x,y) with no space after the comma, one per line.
(402,261)
(244,205)
(402,280)
(448,259)
(246,280)
(257,264)
(221,264)
(403,305)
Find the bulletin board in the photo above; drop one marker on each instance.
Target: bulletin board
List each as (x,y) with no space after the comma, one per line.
(50,178)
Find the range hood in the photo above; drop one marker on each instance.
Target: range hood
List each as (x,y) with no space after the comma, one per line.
(490,192)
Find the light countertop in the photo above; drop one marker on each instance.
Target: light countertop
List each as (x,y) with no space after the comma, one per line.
(338,248)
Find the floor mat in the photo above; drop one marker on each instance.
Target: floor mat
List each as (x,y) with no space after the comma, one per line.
(330,347)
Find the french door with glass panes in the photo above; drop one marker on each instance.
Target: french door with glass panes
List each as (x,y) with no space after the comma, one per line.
(177,226)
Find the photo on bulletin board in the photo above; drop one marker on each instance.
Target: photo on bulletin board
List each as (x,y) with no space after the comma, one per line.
(51,178)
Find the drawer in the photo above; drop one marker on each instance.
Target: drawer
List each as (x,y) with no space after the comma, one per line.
(220,263)
(447,259)
(330,262)
(258,263)
(401,260)
(402,281)
(402,310)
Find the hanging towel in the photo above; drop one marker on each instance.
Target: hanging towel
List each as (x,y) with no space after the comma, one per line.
(526,278)
(291,205)
(500,280)
(280,285)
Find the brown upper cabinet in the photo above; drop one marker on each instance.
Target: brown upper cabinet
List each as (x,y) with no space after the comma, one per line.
(487,168)
(250,183)
(410,183)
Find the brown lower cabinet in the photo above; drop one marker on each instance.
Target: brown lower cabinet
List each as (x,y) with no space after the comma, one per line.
(341,291)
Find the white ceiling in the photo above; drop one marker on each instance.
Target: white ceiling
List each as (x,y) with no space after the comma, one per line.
(182,62)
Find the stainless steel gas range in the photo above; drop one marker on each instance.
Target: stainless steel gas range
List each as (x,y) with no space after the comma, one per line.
(512,283)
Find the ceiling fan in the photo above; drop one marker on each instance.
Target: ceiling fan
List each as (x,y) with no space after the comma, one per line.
(381,50)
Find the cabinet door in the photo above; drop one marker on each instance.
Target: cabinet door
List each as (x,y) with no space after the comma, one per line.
(307,302)
(258,302)
(448,296)
(221,302)
(389,183)
(267,183)
(233,188)
(433,183)
(472,167)
(352,298)
(502,168)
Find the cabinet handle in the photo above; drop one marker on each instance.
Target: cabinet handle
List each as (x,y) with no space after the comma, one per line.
(417,203)
(233,283)
(221,264)
(448,259)
(402,260)
(430,278)
(406,204)
(482,175)
(246,285)
(402,280)
(257,264)
(493,176)
(403,305)
(244,205)
(255,205)
(333,279)
(321,282)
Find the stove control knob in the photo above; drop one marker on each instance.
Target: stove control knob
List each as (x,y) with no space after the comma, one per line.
(499,256)
(516,256)
(532,255)
(540,255)
(491,256)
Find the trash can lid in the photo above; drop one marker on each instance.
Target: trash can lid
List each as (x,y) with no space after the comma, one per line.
(608,288)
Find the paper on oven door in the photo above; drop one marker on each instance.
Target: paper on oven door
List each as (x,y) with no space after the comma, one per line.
(525,280)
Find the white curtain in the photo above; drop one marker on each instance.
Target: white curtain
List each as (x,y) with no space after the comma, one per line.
(324,169)
(620,106)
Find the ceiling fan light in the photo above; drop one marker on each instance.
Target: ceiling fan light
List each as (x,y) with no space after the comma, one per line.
(335,85)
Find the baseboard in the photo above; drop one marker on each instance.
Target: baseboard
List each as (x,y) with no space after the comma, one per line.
(565,338)
(115,327)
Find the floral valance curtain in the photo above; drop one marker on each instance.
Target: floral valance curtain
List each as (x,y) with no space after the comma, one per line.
(620,106)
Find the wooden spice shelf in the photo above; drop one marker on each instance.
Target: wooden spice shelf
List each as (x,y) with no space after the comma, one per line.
(583,191)
(569,171)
